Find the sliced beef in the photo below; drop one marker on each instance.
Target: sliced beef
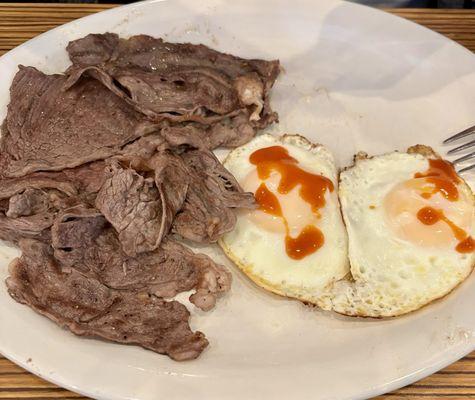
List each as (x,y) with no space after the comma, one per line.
(211,197)
(162,272)
(88,178)
(151,54)
(99,254)
(87,307)
(175,96)
(82,181)
(213,281)
(141,206)
(39,181)
(34,226)
(181,82)
(4,204)
(230,132)
(74,231)
(182,137)
(101,165)
(29,202)
(94,49)
(195,190)
(30,214)
(132,204)
(82,240)
(172,179)
(144,147)
(50,128)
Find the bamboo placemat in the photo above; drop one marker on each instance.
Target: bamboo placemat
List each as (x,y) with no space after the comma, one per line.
(20,22)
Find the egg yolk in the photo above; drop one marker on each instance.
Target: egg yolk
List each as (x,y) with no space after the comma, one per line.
(290,199)
(298,213)
(430,211)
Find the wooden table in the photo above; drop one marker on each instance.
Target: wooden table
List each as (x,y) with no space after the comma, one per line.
(20,22)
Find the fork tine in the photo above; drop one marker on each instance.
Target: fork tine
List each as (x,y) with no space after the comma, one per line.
(460,135)
(464,158)
(463,147)
(470,167)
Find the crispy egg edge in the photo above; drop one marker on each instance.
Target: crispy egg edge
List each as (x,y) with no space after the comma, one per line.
(293,292)
(427,152)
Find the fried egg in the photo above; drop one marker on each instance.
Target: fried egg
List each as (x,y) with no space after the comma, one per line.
(410,221)
(294,243)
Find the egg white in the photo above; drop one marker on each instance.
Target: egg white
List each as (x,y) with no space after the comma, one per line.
(391,276)
(261,254)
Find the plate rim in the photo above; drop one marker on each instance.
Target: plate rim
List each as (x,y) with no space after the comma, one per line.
(391,386)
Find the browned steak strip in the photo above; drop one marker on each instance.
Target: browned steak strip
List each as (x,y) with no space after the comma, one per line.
(11,187)
(175,96)
(193,187)
(213,281)
(181,82)
(212,195)
(230,132)
(141,206)
(82,181)
(96,164)
(87,307)
(132,204)
(33,226)
(172,180)
(50,128)
(81,240)
(31,203)
(152,54)
(87,178)
(93,49)
(75,229)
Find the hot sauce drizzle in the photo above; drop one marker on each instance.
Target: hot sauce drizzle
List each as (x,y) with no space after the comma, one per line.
(430,216)
(277,158)
(466,246)
(312,190)
(268,201)
(307,242)
(443,179)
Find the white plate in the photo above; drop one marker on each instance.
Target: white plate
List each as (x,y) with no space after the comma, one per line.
(355,79)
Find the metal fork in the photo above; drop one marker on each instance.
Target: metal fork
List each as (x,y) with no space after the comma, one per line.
(465,134)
